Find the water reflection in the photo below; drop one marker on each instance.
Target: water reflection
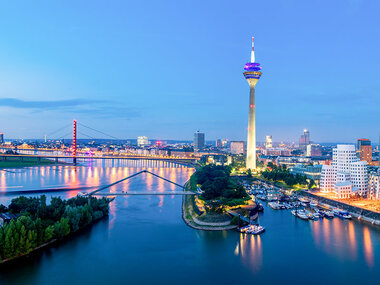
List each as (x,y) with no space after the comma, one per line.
(368,249)
(344,239)
(250,250)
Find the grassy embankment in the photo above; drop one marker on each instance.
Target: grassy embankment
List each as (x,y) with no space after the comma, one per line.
(15,162)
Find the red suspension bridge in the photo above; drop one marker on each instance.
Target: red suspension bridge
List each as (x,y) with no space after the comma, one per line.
(78,154)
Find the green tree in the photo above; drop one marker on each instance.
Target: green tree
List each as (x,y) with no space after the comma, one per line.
(74,215)
(311,184)
(49,233)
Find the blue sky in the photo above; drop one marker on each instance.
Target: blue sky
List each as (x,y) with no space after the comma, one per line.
(168,68)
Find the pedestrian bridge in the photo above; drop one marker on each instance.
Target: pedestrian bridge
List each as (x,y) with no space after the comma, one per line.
(186,191)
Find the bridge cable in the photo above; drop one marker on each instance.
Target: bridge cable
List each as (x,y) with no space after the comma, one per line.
(56,131)
(86,135)
(99,131)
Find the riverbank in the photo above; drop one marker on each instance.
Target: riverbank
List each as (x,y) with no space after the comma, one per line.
(192,219)
(30,224)
(16,162)
(47,245)
(357,212)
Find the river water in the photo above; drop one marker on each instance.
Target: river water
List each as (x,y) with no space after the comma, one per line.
(145,240)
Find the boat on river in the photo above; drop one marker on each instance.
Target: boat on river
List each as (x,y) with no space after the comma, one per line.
(300,214)
(342,214)
(329,214)
(274,205)
(252,229)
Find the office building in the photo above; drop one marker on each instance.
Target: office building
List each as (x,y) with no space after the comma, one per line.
(218,143)
(199,141)
(310,171)
(142,141)
(304,140)
(1,138)
(268,142)
(346,173)
(313,150)
(374,184)
(328,178)
(365,150)
(252,73)
(237,147)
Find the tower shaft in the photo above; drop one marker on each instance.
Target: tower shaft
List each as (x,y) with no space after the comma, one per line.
(251,138)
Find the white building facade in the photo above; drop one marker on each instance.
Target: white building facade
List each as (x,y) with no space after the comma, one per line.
(346,169)
(328,178)
(374,185)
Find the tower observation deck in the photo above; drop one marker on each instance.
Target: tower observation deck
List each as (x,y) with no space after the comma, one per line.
(252,73)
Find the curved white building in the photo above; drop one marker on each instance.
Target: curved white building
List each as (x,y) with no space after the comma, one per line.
(346,171)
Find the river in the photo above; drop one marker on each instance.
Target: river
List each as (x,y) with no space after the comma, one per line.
(145,241)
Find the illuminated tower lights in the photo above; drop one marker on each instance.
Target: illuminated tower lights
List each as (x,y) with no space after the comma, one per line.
(252,73)
(74,146)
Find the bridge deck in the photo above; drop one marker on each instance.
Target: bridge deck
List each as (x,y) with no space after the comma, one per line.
(145,193)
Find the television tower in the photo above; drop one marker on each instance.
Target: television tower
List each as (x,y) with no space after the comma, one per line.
(252,73)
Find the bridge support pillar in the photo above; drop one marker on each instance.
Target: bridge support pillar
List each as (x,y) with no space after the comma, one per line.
(75,161)
(56,160)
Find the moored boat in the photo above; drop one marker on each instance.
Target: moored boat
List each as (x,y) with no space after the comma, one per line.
(342,214)
(274,205)
(329,214)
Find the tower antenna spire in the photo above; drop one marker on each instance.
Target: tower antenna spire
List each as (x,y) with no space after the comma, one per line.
(253,50)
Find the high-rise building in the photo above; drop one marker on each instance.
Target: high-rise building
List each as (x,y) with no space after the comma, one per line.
(268,142)
(1,138)
(218,143)
(304,139)
(365,150)
(199,141)
(142,141)
(345,174)
(252,73)
(237,147)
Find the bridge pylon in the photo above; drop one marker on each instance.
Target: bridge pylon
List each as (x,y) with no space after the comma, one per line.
(74,146)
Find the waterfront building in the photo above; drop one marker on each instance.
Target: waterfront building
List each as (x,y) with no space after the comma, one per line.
(237,147)
(142,141)
(343,190)
(304,140)
(359,177)
(268,142)
(328,179)
(365,150)
(374,184)
(346,168)
(199,141)
(310,171)
(252,73)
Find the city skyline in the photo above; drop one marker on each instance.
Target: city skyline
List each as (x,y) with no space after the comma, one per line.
(51,73)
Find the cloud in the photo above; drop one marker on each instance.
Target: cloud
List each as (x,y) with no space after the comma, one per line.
(98,108)
(51,105)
